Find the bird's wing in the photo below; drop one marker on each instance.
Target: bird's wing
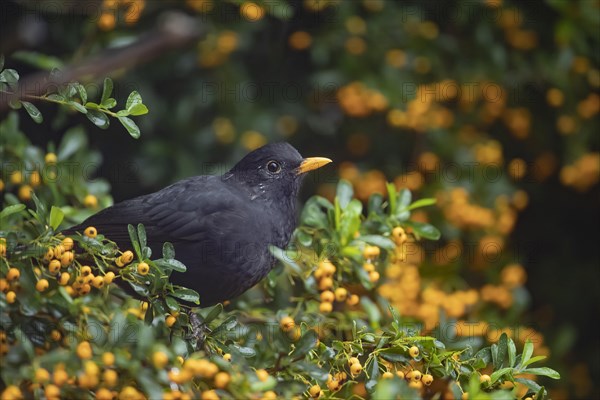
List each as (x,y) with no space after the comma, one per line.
(189,210)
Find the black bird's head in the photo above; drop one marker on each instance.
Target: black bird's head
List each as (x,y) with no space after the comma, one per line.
(273,172)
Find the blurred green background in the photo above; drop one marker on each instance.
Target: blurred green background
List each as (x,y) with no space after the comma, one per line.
(491,106)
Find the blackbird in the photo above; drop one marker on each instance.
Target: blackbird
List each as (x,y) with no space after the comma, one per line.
(220,226)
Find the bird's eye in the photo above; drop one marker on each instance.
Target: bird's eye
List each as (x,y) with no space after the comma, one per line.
(273,167)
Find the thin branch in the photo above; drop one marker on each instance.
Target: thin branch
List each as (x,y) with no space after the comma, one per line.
(174,30)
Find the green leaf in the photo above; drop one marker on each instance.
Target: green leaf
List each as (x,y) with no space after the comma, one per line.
(502,351)
(172,304)
(395,354)
(138,109)
(425,230)
(214,312)
(168,251)
(534,386)
(73,140)
(307,342)
(188,295)
(499,374)
(379,241)
(56,217)
(512,353)
(171,264)
(543,371)
(134,240)
(98,118)
(78,107)
(91,105)
(109,103)
(33,112)
(133,99)
(373,373)
(9,76)
(422,203)
(106,90)
(404,199)
(131,127)
(38,60)
(82,92)
(141,231)
(533,360)
(344,193)
(527,352)
(15,208)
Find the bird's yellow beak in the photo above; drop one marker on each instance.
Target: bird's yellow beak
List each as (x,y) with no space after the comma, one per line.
(312,163)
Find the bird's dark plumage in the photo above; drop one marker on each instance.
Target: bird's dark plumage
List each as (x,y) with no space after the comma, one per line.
(221,226)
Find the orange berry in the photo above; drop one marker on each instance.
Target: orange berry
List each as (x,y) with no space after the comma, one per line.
(170,320)
(64,278)
(209,395)
(287,324)
(315,391)
(325,307)
(66,258)
(355,369)
(400,374)
(67,243)
(42,285)
(54,267)
(340,294)
(327,296)
(371,252)
(222,380)
(413,351)
(159,359)
(427,379)
(90,232)
(11,297)
(108,358)
(13,274)
(108,278)
(143,268)
(84,350)
(98,282)
(262,375)
(127,257)
(353,300)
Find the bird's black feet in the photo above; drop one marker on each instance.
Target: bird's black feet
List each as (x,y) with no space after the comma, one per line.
(198,331)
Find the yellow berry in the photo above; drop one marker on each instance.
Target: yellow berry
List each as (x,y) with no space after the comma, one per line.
(108,358)
(209,395)
(108,278)
(368,267)
(54,267)
(427,379)
(340,294)
(13,274)
(353,300)
(227,357)
(66,258)
(170,320)
(485,378)
(67,243)
(60,377)
(127,257)
(333,384)
(325,283)
(159,359)
(86,270)
(325,307)
(415,384)
(90,232)
(262,375)
(355,369)
(64,278)
(25,192)
(414,375)
(287,324)
(413,351)
(327,268)
(315,391)
(269,395)
(4,285)
(50,158)
(84,350)
(222,380)
(11,392)
(90,201)
(2,249)
(49,255)
(400,374)
(98,282)
(85,289)
(387,375)
(42,375)
(353,360)
(373,276)
(42,285)
(59,249)
(110,377)
(371,252)
(143,268)
(327,296)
